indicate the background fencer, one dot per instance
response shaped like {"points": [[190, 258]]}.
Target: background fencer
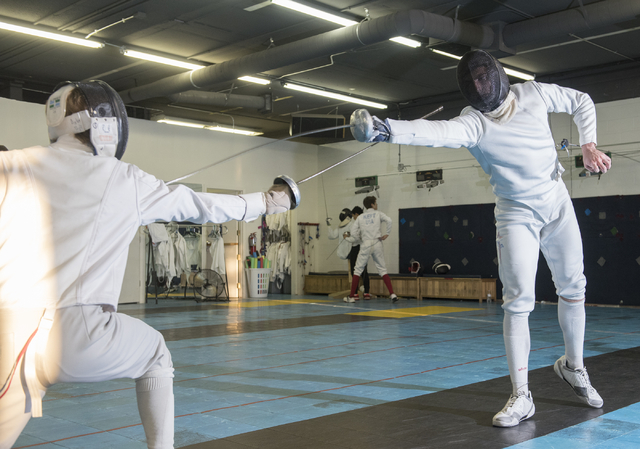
{"points": [[348, 250], [344, 246], [68, 212], [353, 258], [368, 229], [506, 129]]}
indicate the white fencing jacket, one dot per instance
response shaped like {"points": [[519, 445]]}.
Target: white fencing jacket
{"points": [[344, 245], [67, 218], [520, 155], [368, 227]]}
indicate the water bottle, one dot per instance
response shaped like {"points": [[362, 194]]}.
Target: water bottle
{"points": [[488, 297]]}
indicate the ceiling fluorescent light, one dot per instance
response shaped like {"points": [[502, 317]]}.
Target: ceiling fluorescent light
{"points": [[253, 79], [408, 42], [324, 93], [181, 123], [444, 53], [521, 75], [244, 132], [161, 60], [314, 12], [52, 36], [510, 72], [336, 19]]}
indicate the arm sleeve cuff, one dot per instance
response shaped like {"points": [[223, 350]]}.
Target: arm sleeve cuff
{"points": [[256, 205]]}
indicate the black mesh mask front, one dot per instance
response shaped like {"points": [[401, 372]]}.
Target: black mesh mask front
{"points": [[482, 80]]}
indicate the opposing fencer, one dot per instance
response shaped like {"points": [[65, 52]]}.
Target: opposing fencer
{"points": [[506, 129], [68, 212]]}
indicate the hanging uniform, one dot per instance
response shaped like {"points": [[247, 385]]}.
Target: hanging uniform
{"points": [[180, 252]]}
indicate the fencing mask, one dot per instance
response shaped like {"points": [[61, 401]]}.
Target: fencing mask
{"points": [[441, 268], [482, 80], [105, 117], [345, 217]]}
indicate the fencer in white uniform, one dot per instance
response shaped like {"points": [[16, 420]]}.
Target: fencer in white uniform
{"points": [[349, 249], [344, 245], [506, 129], [368, 229], [68, 212]]}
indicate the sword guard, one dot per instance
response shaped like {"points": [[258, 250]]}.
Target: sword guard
{"points": [[361, 125], [293, 187]]}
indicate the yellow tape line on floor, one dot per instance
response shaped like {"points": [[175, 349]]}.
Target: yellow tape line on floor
{"points": [[413, 311], [274, 302]]}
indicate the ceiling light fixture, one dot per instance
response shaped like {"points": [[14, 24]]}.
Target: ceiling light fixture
{"points": [[244, 132], [161, 60], [324, 93], [181, 123], [315, 12], [444, 53], [52, 36], [405, 41], [336, 19], [253, 79], [508, 71]]}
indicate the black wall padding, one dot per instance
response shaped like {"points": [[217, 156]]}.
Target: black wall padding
{"points": [[610, 228]]}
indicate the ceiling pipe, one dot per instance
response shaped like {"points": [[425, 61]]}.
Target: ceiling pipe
{"points": [[366, 33], [402, 23], [220, 99]]}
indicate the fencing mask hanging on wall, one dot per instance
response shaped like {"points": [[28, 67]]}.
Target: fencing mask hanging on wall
{"points": [[105, 117], [482, 80]]}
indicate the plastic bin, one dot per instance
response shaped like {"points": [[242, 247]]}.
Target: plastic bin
{"points": [[258, 280]]}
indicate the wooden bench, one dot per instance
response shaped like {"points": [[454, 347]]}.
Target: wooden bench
{"points": [[408, 286], [456, 287], [326, 283]]}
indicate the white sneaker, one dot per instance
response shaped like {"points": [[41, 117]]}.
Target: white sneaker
{"points": [[393, 297], [518, 409], [579, 381], [351, 298]]}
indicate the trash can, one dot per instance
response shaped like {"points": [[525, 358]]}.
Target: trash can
{"points": [[258, 280]]}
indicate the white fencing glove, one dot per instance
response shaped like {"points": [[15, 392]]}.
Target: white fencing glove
{"points": [[369, 128], [278, 199]]}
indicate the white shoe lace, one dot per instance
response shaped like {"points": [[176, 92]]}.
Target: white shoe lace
{"points": [[584, 377], [511, 402]]}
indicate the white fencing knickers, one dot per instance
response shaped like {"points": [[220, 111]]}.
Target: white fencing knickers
{"points": [[522, 233], [87, 344], [375, 249]]}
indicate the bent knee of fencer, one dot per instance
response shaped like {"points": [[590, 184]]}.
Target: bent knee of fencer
{"points": [[573, 291], [518, 305], [571, 302], [162, 365]]}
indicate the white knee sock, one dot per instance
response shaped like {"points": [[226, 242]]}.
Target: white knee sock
{"points": [[517, 344], [572, 319], [155, 403]]}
